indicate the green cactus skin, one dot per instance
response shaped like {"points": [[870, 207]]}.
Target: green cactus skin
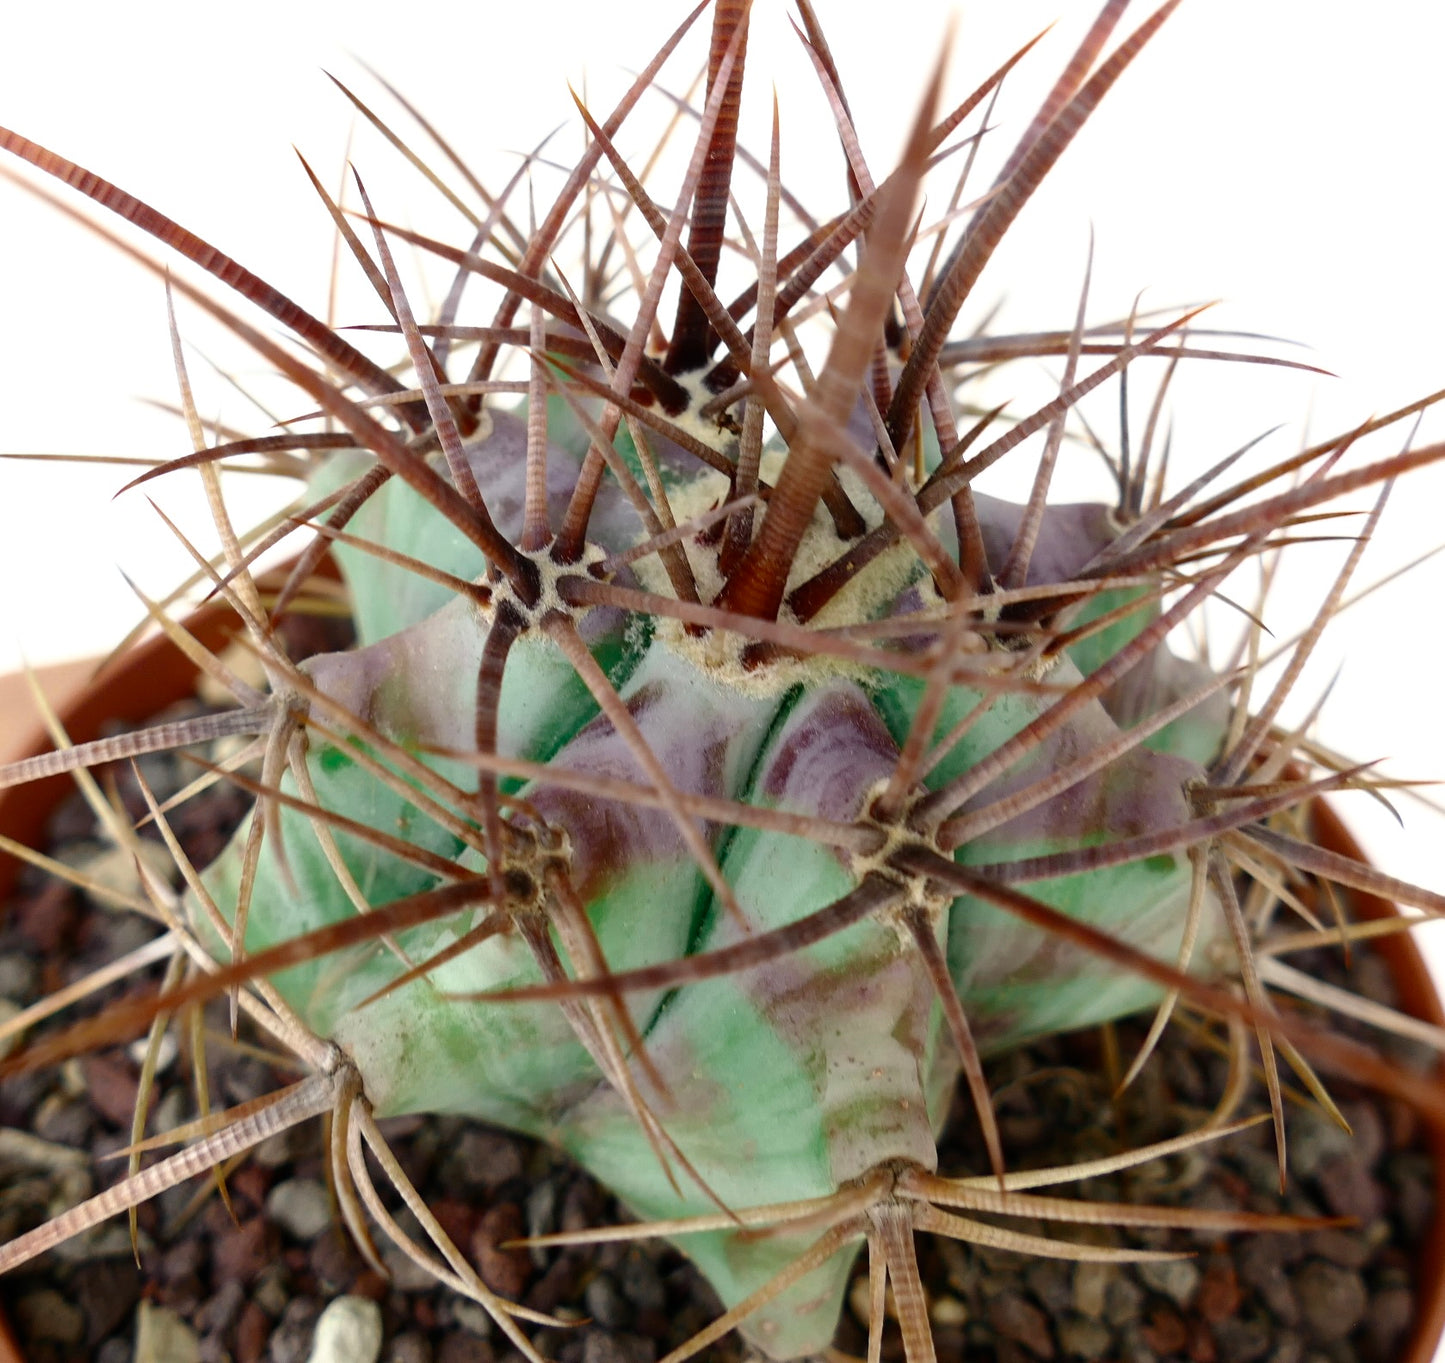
{"points": [[785, 1081]]}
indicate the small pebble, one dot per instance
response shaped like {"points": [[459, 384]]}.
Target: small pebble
{"points": [[557, 1286], [113, 869], [166, 1051], [464, 1348], [183, 1259], [1048, 1280], [1166, 1332], [275, 1152], [1218, 1290], [484, 1160], [409, 1348], [1369, 1137], [161, 1336], [640, 1282], [406, 1274], [9, 1009], [1332, 1300], [583, 1206], [1388, 1318], [1175, 1278], [606, 1304], [253, 1329], [245, 1080], [173, 1108], [1314, 1139], [292, 1338], [300, 1206], [46, 918], [542, 1202], [272, 1290], [1350, 1189], [46, 1316], [19, 977], [1262, 1261], [218, 1315], [1134, 1348], [1018, 1319], [65, 1122], [1347, 1249], [1411, 1174], [1091, 1282], [505, 1271], [602, 1346], [1244, 1339], [243, 1251], [19, 1150], [1081, 1337], [106, 1290], [860, 1301], [948, 1313], [472, 1316], [348, 1331], [114, 1351], [1122, 1301], [1199, 1344], [334, 1261]]}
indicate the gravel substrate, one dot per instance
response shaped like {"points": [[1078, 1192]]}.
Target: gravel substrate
{"points": [[212, 1288]]}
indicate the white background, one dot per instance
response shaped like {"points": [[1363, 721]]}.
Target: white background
{"points": [[1262, 152]]}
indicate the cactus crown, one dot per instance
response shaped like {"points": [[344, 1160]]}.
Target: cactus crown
{"points": [[719, 774]]}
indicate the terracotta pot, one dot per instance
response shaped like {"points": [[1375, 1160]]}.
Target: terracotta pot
{"points": [[147, 679], [1419, 997], [157, 674]]}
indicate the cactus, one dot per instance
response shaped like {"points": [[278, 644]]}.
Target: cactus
{"points": [[720, 775]]}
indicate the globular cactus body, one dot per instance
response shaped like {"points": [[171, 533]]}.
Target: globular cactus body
{"points": [[788, 1080]]}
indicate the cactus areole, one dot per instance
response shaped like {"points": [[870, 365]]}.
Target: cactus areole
{"points": [[719, 776]]}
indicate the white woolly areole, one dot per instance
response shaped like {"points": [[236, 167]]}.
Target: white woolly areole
{"points": [[549, 599], [866, 597]]}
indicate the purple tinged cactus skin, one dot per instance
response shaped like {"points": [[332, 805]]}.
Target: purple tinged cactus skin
{"points": [[806, 1074], [819, 1067], [708, 807]]}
